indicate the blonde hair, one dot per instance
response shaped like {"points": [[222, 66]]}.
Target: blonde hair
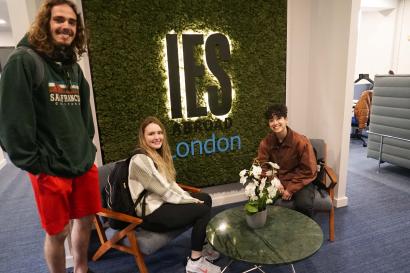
{"points": [[161, 157]]}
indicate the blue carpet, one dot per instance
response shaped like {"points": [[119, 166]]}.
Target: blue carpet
{"points": [[21, 235], [372, 233]]}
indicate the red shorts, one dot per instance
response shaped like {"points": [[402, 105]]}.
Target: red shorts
{"points": [[60, 199]]}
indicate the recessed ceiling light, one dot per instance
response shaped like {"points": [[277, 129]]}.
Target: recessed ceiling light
{"points": [[3, 22]]}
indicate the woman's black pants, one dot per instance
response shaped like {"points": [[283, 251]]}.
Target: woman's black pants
{"points": [[175, 216]]}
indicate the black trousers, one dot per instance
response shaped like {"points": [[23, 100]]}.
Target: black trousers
{"points": [[304, 199], [175, 216], [301, 201]]}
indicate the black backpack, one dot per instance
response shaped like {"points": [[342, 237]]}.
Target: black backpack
{"points": [[117, 196], [320, 174], [38, 77]]}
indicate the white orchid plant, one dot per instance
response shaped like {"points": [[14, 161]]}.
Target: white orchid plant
{"points": [[261, 185]]}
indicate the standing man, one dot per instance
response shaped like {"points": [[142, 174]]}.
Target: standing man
{"points": [[47, 129], [295, 156]]}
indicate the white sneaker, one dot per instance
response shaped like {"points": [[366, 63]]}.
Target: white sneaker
{"points": [[201, 266], [209, 253]]}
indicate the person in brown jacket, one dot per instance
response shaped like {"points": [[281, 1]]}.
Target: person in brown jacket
{"points": [[362, 109], [295, 156]]}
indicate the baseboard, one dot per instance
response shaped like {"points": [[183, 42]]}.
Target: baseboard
{"points": [[237, 195], [69, 261], [227, 197], [341, 202]]}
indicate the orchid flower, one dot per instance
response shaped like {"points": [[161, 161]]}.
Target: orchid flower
{"points": [[276, 182], [274, 165], [272, 190], [257, 171], [250, 190], [243, 173], [243, 180], [262, 184], [260, 191]]}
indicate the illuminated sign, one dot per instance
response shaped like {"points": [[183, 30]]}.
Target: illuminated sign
{"points": [[185, 67], [182, 75]]}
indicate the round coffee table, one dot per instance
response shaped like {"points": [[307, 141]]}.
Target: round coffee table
{"points": [[287, 237]]}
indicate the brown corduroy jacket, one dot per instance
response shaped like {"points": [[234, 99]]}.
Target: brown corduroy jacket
{"points": [[295, 157]]}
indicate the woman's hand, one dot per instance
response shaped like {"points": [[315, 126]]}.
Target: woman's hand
{"points": [[196, 201]]}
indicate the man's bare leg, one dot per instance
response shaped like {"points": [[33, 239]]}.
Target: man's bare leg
{"points": [[54, 251], [80, 238]]}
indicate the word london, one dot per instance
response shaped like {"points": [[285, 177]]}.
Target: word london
{"points": [[209, 146]]}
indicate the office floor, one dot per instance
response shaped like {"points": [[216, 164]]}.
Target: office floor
{"points": [[372, 233]]}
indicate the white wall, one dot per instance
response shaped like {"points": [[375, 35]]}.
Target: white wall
{"points": [[6, 39], [297, 63], [401, 57], [375, 42], [321, 54], [384, 37], [19, 18]]}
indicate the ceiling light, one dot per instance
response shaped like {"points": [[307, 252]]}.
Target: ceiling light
{"points": [[3, 22]]}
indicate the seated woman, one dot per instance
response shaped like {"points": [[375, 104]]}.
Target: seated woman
{"points": [[295, 156], [167, 206]]}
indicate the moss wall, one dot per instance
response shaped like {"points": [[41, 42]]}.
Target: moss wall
{"points": [[130, 79]]}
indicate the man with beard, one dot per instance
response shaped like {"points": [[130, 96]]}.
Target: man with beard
{"points": [[47, 129]]}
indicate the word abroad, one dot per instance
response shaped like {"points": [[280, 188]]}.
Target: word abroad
{"points": [[209, 146], [189, 127], [216, 51]]}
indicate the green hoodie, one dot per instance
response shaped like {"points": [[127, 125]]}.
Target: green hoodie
{"points": [[48, 129]]}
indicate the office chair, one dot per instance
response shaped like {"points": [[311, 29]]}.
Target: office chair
{"points": [[356, 134]]}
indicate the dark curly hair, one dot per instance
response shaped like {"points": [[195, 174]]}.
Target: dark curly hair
{"points": [[39, 34], [278, 110]]}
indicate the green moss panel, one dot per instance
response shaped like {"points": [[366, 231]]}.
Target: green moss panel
{"points": [[130, 79]]}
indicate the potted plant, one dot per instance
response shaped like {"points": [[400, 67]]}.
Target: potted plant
{"points": [[261, 188]]}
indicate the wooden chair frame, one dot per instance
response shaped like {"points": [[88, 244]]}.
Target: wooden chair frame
{"points": [[330, 190], [330, 184], [128, 232]]}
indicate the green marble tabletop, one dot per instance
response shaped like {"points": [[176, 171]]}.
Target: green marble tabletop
{"points": [[287, 237]]}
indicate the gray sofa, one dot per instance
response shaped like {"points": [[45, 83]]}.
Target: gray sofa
{"points": [[389, 130]]}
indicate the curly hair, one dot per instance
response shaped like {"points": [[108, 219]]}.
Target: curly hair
{"points": [[39, 34], [279, 110], [161, 157]]}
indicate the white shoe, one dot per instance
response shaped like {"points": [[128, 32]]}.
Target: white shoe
{"points": [[209, 253], [201, 266]]}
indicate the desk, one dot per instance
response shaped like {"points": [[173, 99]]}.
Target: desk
{"points": [[287, 237]]}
